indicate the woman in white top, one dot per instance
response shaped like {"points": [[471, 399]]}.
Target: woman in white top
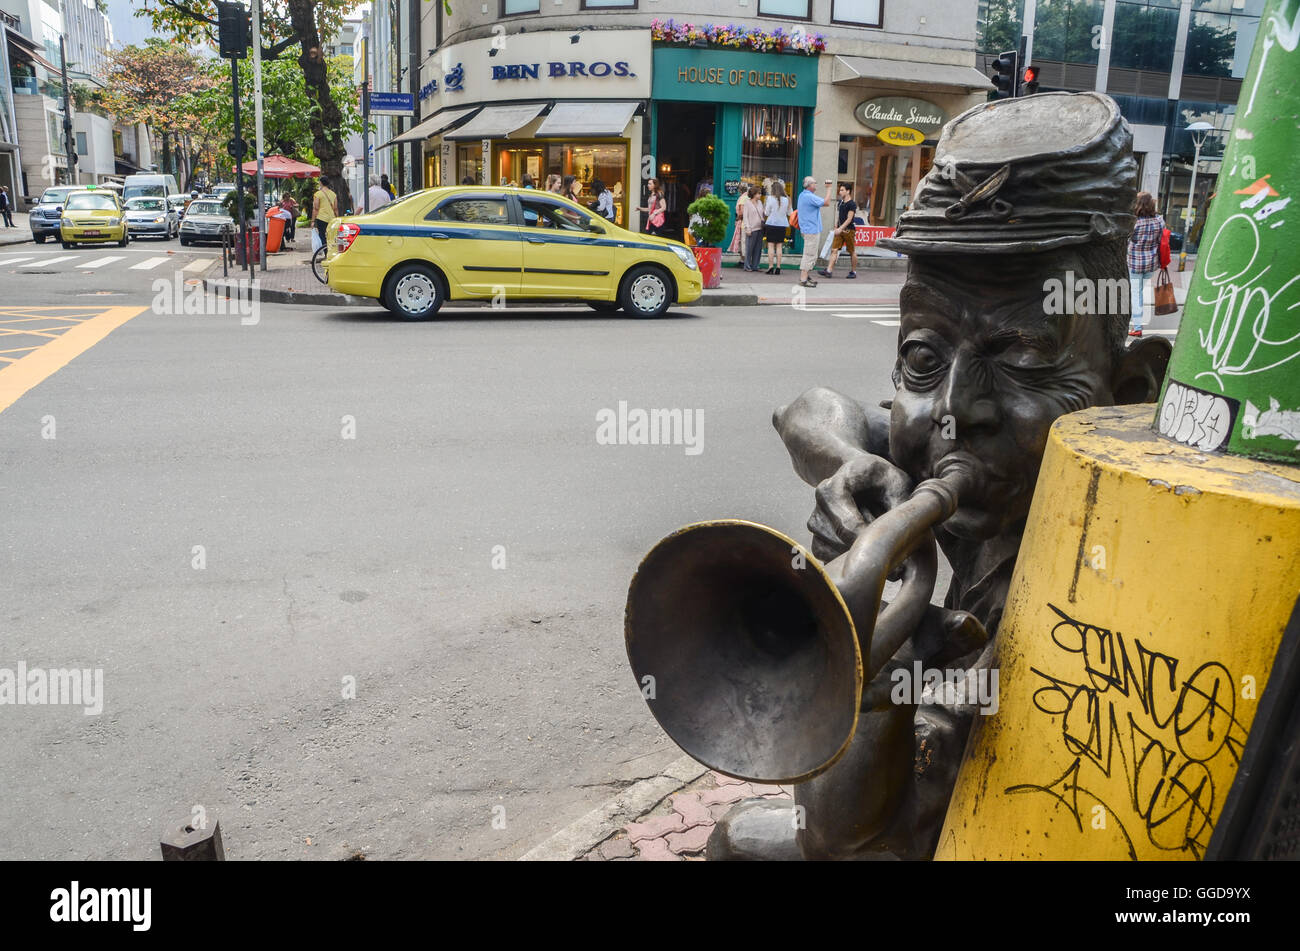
{"points": [[776, 211]]}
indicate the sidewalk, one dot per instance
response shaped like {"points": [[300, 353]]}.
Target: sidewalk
{"points": [[289, 280], [20, 233]]}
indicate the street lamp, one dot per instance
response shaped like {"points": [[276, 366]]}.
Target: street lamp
{"points": [[1200, 131]]}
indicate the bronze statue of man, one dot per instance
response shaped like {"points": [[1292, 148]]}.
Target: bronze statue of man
{"points": [[1014, 312]]}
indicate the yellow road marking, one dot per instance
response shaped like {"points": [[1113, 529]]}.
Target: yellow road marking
{"points": [[24, 373]]}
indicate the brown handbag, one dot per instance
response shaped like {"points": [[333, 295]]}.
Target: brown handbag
{"points": [[1165, 301]]}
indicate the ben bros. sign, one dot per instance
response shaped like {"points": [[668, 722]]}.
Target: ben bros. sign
{"points": [[900, 120]]}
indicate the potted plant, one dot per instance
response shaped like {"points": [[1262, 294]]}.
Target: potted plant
{"points": [[708, 223]]}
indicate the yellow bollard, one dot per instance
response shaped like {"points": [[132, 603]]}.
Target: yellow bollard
{"points": [[1150, 596]]}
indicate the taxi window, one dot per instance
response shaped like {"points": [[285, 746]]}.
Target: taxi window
{"points": [[545, 214], [479, 211]]}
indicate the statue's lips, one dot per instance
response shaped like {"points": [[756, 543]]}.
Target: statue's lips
{"points": [[977, 482]]}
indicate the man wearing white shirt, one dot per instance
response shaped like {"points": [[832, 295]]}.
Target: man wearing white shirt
{"points": [[378, 197]]}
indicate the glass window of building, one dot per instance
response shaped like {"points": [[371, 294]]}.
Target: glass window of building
{"points": [[999, 25], [772, 137], [1068, 31], [1220, 37], [1145, 34], [469, 163], [794, 9], [857, 12], [511, 7]]}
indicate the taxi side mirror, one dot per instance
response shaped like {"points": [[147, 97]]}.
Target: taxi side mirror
{"points": [[595, 228]]}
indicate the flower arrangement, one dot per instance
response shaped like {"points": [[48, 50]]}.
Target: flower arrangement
{"points": [[738, 37]]}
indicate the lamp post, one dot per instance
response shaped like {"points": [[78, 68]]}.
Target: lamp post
{"points": [[1199, 132]]}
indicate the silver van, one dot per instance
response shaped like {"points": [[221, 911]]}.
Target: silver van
{"points": [[148, 185]]}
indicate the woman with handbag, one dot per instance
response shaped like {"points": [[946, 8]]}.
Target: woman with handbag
{"points": [[776, 210], [1143, 256], [654, 209]]}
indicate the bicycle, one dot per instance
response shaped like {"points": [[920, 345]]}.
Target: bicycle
{"points": [[318, 258]]}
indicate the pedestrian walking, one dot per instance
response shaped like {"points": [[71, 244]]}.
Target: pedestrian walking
{"points": [[654, 208], [290, 206], [379, 197], [753, 227], [604, 200], [324, 207], [776, 212], [6, 207], [386, 186], [554, 183], [810, 227], [526, 181], [1143, 257], [846, 212]]}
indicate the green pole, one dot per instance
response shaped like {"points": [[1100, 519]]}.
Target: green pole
{"points": [[1234, 377]]}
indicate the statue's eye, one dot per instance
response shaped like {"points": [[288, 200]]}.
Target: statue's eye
{"points": [[921, 359]]}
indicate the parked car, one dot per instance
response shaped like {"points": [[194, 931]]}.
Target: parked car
{"points": [[45, 215], [93, 216], [478, 242], [204, 221], [151, 216]]}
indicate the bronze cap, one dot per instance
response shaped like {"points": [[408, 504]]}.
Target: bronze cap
{"points": [[1027, 174]]}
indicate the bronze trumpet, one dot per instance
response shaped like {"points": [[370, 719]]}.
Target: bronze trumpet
{"points": [[750, 652]]}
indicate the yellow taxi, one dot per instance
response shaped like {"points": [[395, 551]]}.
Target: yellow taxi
{"points": [[515, 244], [94, 215]]}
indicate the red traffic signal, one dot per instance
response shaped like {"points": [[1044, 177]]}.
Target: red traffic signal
{"points": [[1029, 83]]}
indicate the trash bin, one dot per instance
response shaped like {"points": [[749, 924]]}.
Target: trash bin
{"points": [[254, 243], [274, 234]]}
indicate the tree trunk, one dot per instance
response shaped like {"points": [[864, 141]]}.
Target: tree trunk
{"points": [[167, 153], [326, 122]]}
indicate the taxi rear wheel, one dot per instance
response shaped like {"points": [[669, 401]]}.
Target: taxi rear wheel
{"points": [[413, 292], [647, 292]]}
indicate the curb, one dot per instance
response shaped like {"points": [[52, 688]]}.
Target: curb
{"points": [[578, 838]]}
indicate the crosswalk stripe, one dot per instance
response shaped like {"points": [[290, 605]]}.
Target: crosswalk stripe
{"points": [[875, 315], [18, 260], [200, 264], [887, 323], [101, 262], [149, 264], [59, 260]]}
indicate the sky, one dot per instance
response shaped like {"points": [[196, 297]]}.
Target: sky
{"points": [[127, 28]]}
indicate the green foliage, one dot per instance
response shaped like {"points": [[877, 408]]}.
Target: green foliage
{"points": [[713, 215], [1000, 30], [250, 205]]}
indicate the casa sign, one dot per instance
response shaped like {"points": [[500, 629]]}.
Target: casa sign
{"points": [[901, 120]]}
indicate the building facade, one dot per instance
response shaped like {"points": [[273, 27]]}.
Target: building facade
{"points": [[756, 90], [1168, 63], [36, 156]]}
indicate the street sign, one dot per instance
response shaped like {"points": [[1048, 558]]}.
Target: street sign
{"points": [[392, 104]]}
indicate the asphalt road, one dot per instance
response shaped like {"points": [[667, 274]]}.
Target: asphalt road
{"points": [[326, 558]]}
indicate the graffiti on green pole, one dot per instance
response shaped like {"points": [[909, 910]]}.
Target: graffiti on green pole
{"points": [[1234, 377]]}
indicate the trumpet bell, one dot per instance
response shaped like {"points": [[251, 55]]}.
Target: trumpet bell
{"points": [[745, 651]]}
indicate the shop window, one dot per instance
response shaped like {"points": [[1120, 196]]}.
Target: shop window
{"points": [[479, 211], [887, 178], [772, 137], [511, 8], [1144, 35], [469, 163], [857, 12], [791, 9]]}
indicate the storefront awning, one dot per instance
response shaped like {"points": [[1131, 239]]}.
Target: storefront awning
{"points": [[587, 119], [496, 122], [862, 70], [431, 126]]}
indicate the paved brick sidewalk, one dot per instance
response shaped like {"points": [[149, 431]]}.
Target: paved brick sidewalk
{"points": [[677, 829]]}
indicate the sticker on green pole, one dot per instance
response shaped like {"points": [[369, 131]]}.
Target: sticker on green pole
{"points": [[1234, 377]]}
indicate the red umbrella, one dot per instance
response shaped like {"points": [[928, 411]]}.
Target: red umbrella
{"points": [[278, 166]]}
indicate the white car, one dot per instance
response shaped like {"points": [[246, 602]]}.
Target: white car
{"points": [[151, 216], [205, 220]]}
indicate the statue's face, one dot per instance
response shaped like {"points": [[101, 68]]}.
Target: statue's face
{"points": [[983, 372]]}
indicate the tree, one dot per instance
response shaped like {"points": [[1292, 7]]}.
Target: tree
{"points": [[152, 84], [285, 24], [286, 106], [1000, 30]]}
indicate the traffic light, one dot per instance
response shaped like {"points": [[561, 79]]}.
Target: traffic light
{"points": [[237, 149], [1030, 84], [1005, 75], [234, 29]]}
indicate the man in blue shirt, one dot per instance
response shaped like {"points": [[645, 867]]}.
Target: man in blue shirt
{"points": [[810, 226]]}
